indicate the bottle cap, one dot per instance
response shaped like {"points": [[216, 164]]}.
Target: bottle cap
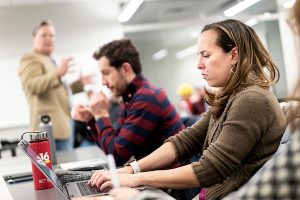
{"points": [[37, 135], [45, 119]]}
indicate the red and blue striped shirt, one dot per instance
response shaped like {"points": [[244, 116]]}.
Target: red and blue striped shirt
{"points": [[146, 119]]}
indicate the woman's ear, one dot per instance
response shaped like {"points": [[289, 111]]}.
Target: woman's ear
{"points": [[234, 55]]}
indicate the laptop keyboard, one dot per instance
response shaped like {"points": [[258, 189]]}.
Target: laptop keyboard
{"points": [[85, 189]]}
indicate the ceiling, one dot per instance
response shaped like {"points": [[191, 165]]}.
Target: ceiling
{"points": [[158, 11], [168, 23], [166, 11], [35, 2], [175, 24]]}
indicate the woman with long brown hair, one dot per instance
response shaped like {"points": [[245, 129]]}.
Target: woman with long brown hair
{"points": [[239, 133], [280, 179]]}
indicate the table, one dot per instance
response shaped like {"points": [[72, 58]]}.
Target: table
{"points": [[26, 191], [22, 164]]}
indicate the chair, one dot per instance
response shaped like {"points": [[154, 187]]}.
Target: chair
{"points": [[9, 146], [189, 121]]}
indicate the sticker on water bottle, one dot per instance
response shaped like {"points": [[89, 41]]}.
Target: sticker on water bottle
{"points": [[43, 158], [42, 181]]}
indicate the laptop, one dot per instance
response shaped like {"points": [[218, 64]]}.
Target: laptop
{"points": [[69, 190], [84, 165]]}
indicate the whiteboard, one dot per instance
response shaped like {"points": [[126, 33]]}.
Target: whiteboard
{"points": [[13, 104]]}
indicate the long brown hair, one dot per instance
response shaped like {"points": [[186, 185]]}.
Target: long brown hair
{"points": [[254, 65]]}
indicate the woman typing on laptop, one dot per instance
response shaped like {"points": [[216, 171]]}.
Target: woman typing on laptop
{"points": [[239, 133]]}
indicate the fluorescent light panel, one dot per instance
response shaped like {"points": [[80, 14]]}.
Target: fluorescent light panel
{"points": [[239, 7], [160, 54], [186, 52], [251, 22], [195, 34], [129, 10]]}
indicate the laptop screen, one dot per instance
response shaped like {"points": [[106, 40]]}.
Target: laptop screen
{"points": [[26, 148]]}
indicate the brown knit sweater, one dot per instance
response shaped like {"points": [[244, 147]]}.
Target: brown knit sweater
{"points": [[235, 145]]}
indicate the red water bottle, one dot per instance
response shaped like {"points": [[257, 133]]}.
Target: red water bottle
{"points": [[40, 144]]}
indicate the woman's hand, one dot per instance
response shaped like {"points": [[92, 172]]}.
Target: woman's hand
{"points": [[102, 180]]}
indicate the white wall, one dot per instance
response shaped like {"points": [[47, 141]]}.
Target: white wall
{"points": [[170, 73], [80, 27]]}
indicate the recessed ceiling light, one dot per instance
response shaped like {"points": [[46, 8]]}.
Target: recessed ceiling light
{"points": [[251, 22], [160, 54], [195, 34], [267, 14], [186, 52]]}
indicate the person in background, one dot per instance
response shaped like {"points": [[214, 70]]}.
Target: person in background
{"points": [[43, 87], [146, 118], [239, 133], [191, 104], [185, 91], [197, 100], [280, 179]]}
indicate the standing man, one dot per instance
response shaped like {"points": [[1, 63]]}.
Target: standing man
{"points": [[42, 85], [146, 117]]}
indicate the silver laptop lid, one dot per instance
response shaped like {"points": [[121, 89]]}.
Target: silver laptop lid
{"points": [[39, 163]]}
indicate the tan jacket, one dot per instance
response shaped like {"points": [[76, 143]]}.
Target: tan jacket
{"points": [[237, 144], [45, 93]]}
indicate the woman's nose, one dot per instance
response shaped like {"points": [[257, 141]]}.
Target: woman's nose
{"points": [[200, 65]]}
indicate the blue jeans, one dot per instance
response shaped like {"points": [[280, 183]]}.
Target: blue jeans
{"points": [[86, 143], [67, 144]]}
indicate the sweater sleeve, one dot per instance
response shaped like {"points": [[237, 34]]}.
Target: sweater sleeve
{"points": [[128, 138], [190, 141], [247, 120]]}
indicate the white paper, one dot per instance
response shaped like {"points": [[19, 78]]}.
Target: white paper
{"points": [[4, 192]]}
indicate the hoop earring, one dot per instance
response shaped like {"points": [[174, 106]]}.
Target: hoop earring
{"points": [[233, 69]]}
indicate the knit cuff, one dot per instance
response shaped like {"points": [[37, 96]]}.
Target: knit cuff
{"points": [[103, 122], [205, 175]]}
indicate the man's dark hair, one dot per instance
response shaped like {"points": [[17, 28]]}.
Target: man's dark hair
{"points": [[118, 52], [41, 24]]}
